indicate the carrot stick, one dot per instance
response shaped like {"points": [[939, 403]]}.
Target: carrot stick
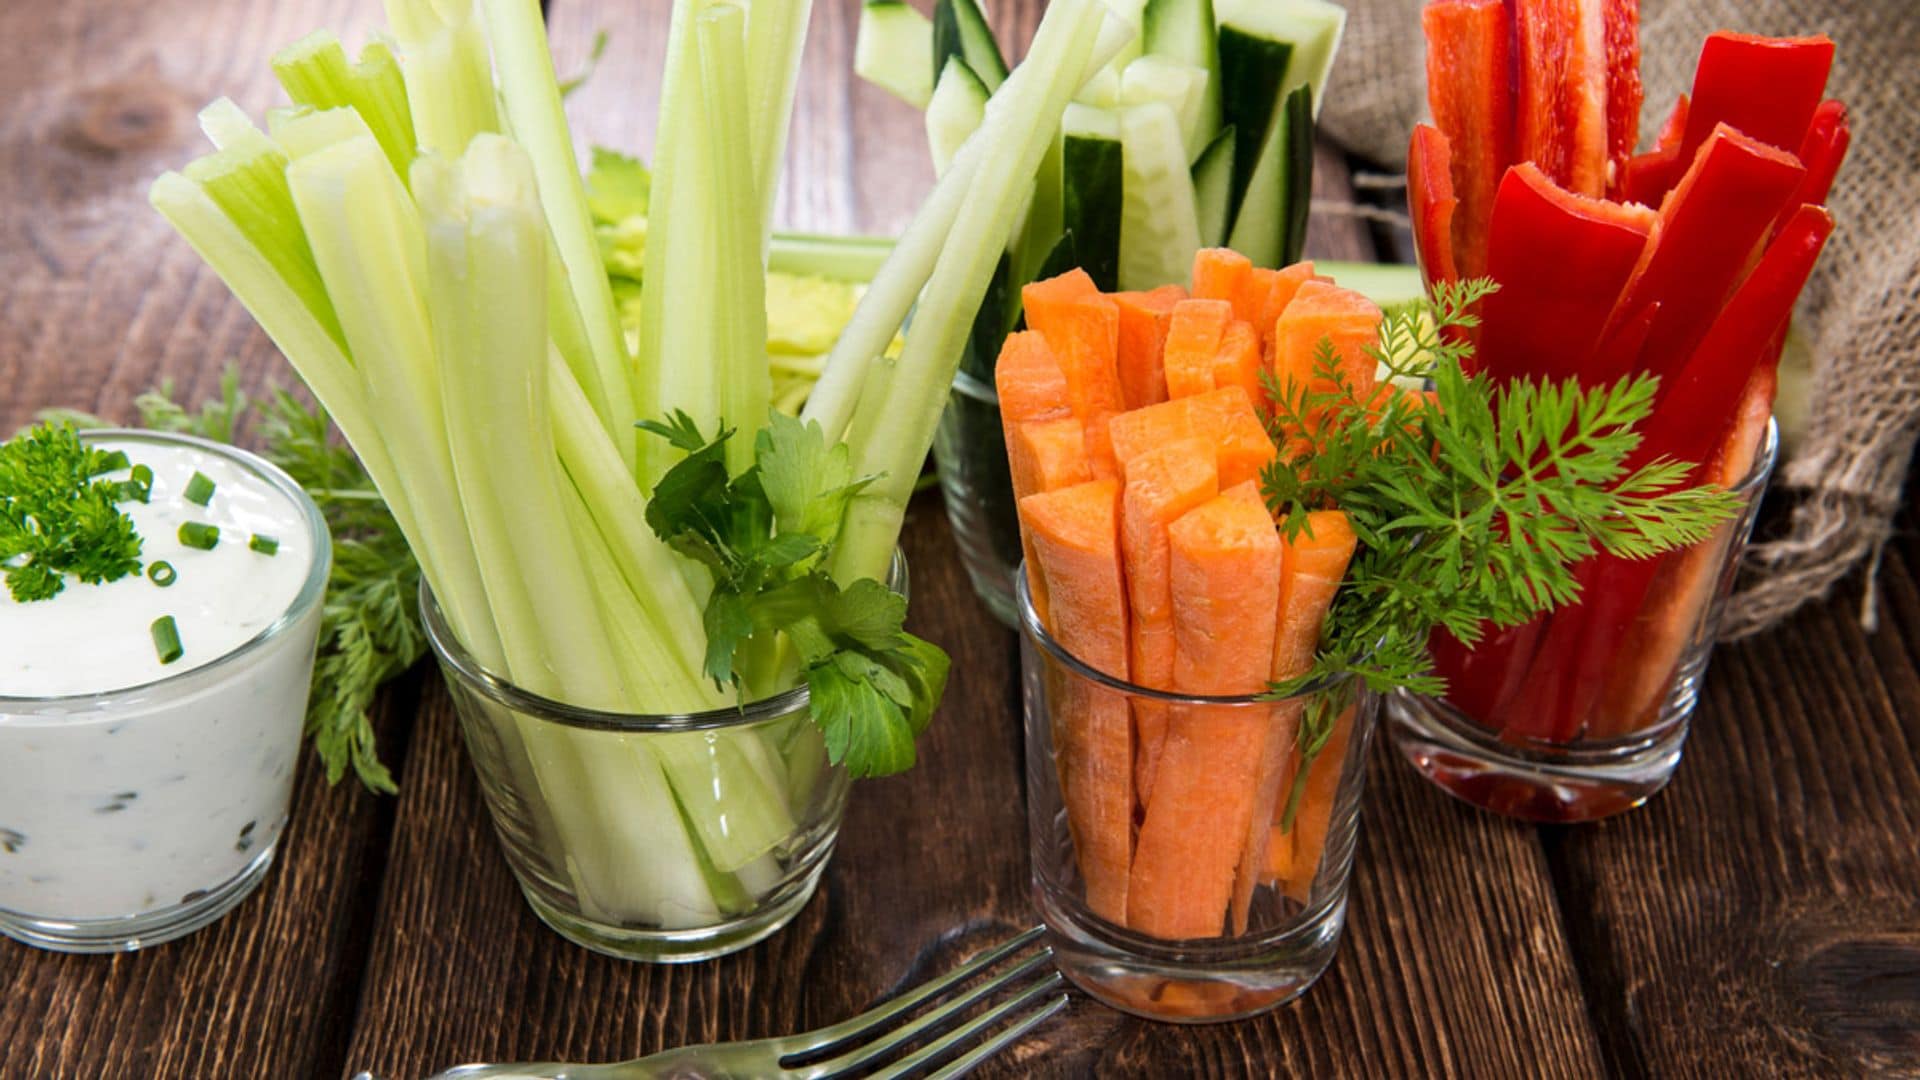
{"points": [[1193, 339], [1162, 486], [1239, 360], [1076, 542], [1144, 317], [1031, 389], [1220, 274], [1225, 570], [1285, 283], [1321, 312], [1224, 417], [1315, 815], [1312, 566], [1083, 328]]}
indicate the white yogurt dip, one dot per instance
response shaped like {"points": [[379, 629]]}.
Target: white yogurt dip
{"points": [[140, 800]]}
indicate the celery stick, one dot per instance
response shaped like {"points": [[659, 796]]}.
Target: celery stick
{"points": [[1022, 119], [315, 73], [734, 800], [842, 258], [740, 338], [776, 37], [368, 245], [532, 98], [449, 80]]}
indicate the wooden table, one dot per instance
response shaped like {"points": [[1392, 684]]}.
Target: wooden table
{"points": [[1760, 917]]}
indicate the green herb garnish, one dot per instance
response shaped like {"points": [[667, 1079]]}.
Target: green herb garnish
{"points": [[199, 534], [1470, 513], [199, 489], [265, 545], [58, 518], [166, 639], [162, 573], [765, 535]]}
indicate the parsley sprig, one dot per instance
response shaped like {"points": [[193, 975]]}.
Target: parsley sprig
{"points": [[1471, 509], [765, 535], [58, 518]]}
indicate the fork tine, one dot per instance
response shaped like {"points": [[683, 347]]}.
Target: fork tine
{"points": [[867, 1021], [887, 1042], [938, 1049]]}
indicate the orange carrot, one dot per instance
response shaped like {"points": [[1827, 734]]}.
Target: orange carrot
{"points": [[1220, 274], [1312, 566], [1225, 572], [1239, 361], [1083, 329], [1325, 313], [1193, 339], [1315, 816], [1047, 455], [1252, 297], [1076, 544], [1224, 417], [1144, 317], [1285, 283], [1162, 485], [1028, 380]]}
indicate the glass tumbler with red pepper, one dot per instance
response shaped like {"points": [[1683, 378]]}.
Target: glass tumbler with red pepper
{"points": [[1683, 262]]}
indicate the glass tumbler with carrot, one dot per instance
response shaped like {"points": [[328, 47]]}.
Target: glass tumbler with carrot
{"points": [[1221, 517], [1682, 263]]}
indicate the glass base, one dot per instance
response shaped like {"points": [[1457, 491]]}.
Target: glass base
{"points": [[129, 932], [1552, 785], [682, 946], [1194, 982]]}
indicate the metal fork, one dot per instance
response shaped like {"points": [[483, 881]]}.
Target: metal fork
{"points": [[852, 1046]]}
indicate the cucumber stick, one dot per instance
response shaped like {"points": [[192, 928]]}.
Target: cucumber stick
{"points": [[894, 50], [1176, 83], [1213, 188], [1185, 30], [1271, 226], [1159, 226], [1092, 171], [960, 29], [959, 104], [1310, 28]]}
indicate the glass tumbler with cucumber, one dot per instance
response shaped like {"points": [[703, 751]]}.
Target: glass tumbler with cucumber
{"points": [[1199, 134]]}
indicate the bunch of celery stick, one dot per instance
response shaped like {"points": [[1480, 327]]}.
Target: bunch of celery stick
{"points": [[413, 233]]}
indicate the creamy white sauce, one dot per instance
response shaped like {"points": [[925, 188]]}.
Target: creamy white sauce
{"points": [[159, 794]]}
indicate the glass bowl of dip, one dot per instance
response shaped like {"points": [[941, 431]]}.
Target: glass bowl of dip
{"points": [[140, 801]]}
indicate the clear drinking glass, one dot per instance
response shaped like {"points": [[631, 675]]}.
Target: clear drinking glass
{"points": [[665, 838], [970, 455], [1240, 934], [1583, 714], [138, 815]]}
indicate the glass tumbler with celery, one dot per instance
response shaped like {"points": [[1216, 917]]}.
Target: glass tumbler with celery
{"points": [[1197, 134], [663, 605]]}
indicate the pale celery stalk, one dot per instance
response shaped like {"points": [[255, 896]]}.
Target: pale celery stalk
{"points": [[368, 245], [738, 806], [1022, 118], [531, 95], [740, 338], [315, 73], [449, 80], [776, 38], [843, 258]]}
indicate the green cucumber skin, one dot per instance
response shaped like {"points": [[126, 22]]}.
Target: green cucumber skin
{"points": [[1090, 205], [1298, 203], [1213, 187], [1252, 70], [1187, 30], [960, 29]]}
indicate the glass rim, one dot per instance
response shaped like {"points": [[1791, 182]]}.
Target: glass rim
{"points": [[1763, 462], [312, 590], [1037, 631], [455, 658]]}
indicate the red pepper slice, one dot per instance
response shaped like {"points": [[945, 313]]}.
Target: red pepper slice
{"points": [[1561, 262], [1651, 175], [1469, 88], [1765, 88], [1430, 191], [1624, 91], [1711, 225], [1560, 121], [1822, 151]]}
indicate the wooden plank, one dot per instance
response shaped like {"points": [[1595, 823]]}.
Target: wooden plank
{"points": [[1762, 915], [101, 301]]}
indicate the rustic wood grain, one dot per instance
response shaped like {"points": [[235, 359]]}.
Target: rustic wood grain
{"points": [[1762, 915]]}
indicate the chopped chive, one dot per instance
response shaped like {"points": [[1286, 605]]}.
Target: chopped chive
{"points": [[197, 534], [199, 489], [162, 573], [265, 545], [166, 639], [112, 462], [142, 476]]}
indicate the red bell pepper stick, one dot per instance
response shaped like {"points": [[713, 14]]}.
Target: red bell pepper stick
{"points": [[1431, 198], [1821, 152], [1561, 262], [1710, 227], [1469, 88], [1624, 91], [1560, 120], [1765, 88], [1651, 175]]}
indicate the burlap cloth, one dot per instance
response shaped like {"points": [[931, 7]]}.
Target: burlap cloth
{"points": [[1860, 315]]}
